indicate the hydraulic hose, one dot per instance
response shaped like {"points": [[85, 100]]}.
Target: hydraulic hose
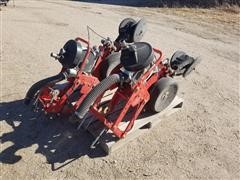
{"points": [[38, 85], [95, 93]]}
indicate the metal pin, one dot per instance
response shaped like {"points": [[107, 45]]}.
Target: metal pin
{"points": [[97, 138], [83, 120], [89, 122]]}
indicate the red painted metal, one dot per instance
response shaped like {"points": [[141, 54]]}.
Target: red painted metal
{"points": [[134, 97], [82, 83]]}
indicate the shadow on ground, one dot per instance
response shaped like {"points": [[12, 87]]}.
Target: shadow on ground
{"points": [[57, 139]]}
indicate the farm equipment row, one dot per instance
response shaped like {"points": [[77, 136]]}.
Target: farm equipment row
{"points": [[137, 74]]}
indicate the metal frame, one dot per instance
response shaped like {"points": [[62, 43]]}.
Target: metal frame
{"points": [[135, 97], [83, 81]]}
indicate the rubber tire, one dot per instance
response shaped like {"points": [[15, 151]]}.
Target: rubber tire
{"points": [[157, 103], [109, 64], [95, 93], [126, 21], [126, 35]]}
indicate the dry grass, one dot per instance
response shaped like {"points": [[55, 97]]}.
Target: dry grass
{"points": [[231, 9], [222, 18], [214, 15]]}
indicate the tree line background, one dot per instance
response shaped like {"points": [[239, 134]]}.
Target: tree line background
{"points": [[189, 3], [170, 3]]}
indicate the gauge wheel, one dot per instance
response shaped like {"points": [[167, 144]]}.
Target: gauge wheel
{"points": [[162, 94], [125, 23]]}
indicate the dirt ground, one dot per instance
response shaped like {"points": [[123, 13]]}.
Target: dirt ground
{"points": [[199, 141]]}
